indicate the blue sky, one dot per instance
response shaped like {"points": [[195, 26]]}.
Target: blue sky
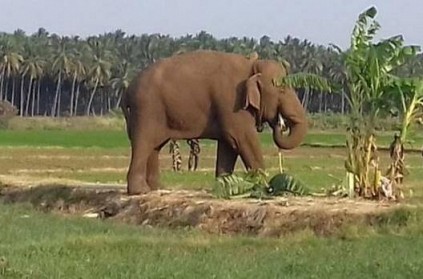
{"points": [[320, 21]]}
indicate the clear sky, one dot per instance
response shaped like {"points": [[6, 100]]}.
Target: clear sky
{"points": [[320, 21]]}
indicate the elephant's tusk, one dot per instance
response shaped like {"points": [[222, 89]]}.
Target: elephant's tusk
{"points": [[281, 123]]}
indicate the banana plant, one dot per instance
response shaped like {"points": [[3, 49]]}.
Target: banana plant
{"points": [[408, 95], [370, 68]]}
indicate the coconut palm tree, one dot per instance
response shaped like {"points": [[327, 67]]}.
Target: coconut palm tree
{"points": [[100, 69], [61, 67], [33, 68], [10, 63], [78, 73], [121, 81]]}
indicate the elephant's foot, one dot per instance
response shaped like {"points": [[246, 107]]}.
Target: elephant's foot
{"points": [[137, 187], [155, 185], [132, 191]]}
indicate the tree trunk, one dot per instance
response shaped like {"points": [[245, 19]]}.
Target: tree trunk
{"points": [[77, 98], [5, 89], [13, 91], [29, 95], [109, 103], [310, 96], [325, 102], [101, 102], [59, 102], [59, 79], [72, 94], [1, 86], [91, 98], [343, 102], [305, 96], [21, 107], [34, 87], [119, 98], [38, 96]]}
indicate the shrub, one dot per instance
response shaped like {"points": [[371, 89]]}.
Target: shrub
{"points": [[7, 111]]}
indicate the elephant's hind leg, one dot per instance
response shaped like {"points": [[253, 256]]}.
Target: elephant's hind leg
{"points": [[143, 144], [153, 170], [137, 173]]}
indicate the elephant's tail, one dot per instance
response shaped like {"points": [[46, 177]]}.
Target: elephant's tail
{"points": [[126, 111]]}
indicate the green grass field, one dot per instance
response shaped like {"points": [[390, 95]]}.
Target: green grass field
{"points": [[37, 245], [103, 156], [118, 138]]}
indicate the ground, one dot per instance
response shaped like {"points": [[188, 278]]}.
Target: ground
{"points": [[183, 227]]}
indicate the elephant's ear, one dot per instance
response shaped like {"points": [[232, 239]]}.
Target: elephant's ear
{"points": [[252, 92]]}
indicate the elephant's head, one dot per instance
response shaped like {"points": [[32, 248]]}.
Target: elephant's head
{"points": [[270, 102]]}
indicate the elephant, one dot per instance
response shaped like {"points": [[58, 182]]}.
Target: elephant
{"points": [[208, 94]]}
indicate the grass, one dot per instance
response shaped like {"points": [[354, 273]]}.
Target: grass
{"points": [[36, 245], [102, 136], [118, 139], [63, 138], [317, 167]]}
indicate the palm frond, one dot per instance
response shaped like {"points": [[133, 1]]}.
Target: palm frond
{"points": [[304, 80], [230, 185], [284, 183]]}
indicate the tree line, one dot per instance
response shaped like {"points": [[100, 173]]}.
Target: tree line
{"points": [[51, 75]]}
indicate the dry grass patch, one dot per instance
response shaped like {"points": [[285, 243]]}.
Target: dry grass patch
{"points": [[73, 123], [198, 209]]}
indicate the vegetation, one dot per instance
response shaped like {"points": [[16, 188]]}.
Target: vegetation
{"points": [[48, 74], [7, 111], [36, 245], [58, 136], [379, 90], [371, 81], [103, 155]]}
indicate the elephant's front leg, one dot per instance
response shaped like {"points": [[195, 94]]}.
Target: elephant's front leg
{"points": [[226, 158], [249, 148]]}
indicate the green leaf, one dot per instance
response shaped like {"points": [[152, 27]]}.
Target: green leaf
{"points": [[370, 12], [303, 80]]}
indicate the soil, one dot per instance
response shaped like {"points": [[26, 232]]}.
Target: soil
{"points": [[199, 209]]}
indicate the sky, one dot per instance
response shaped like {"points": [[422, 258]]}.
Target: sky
{"points": [[319, 21]]}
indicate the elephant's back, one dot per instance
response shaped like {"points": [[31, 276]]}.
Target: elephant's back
{"points": [[199, 65], [191, 77]]}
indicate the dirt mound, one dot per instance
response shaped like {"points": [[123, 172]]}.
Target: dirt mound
{"points": [[199, 209]]}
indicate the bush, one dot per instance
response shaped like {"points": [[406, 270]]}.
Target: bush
{"points": [[7, 111]]}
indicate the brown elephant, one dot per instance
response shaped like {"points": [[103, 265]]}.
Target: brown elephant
{"points": [[207, 95]]}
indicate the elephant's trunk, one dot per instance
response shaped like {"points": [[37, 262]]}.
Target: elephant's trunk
{"points": [[295, 137], [297, 130]]}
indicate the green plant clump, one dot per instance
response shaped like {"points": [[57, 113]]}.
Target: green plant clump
{"points": [[255, 185]]}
